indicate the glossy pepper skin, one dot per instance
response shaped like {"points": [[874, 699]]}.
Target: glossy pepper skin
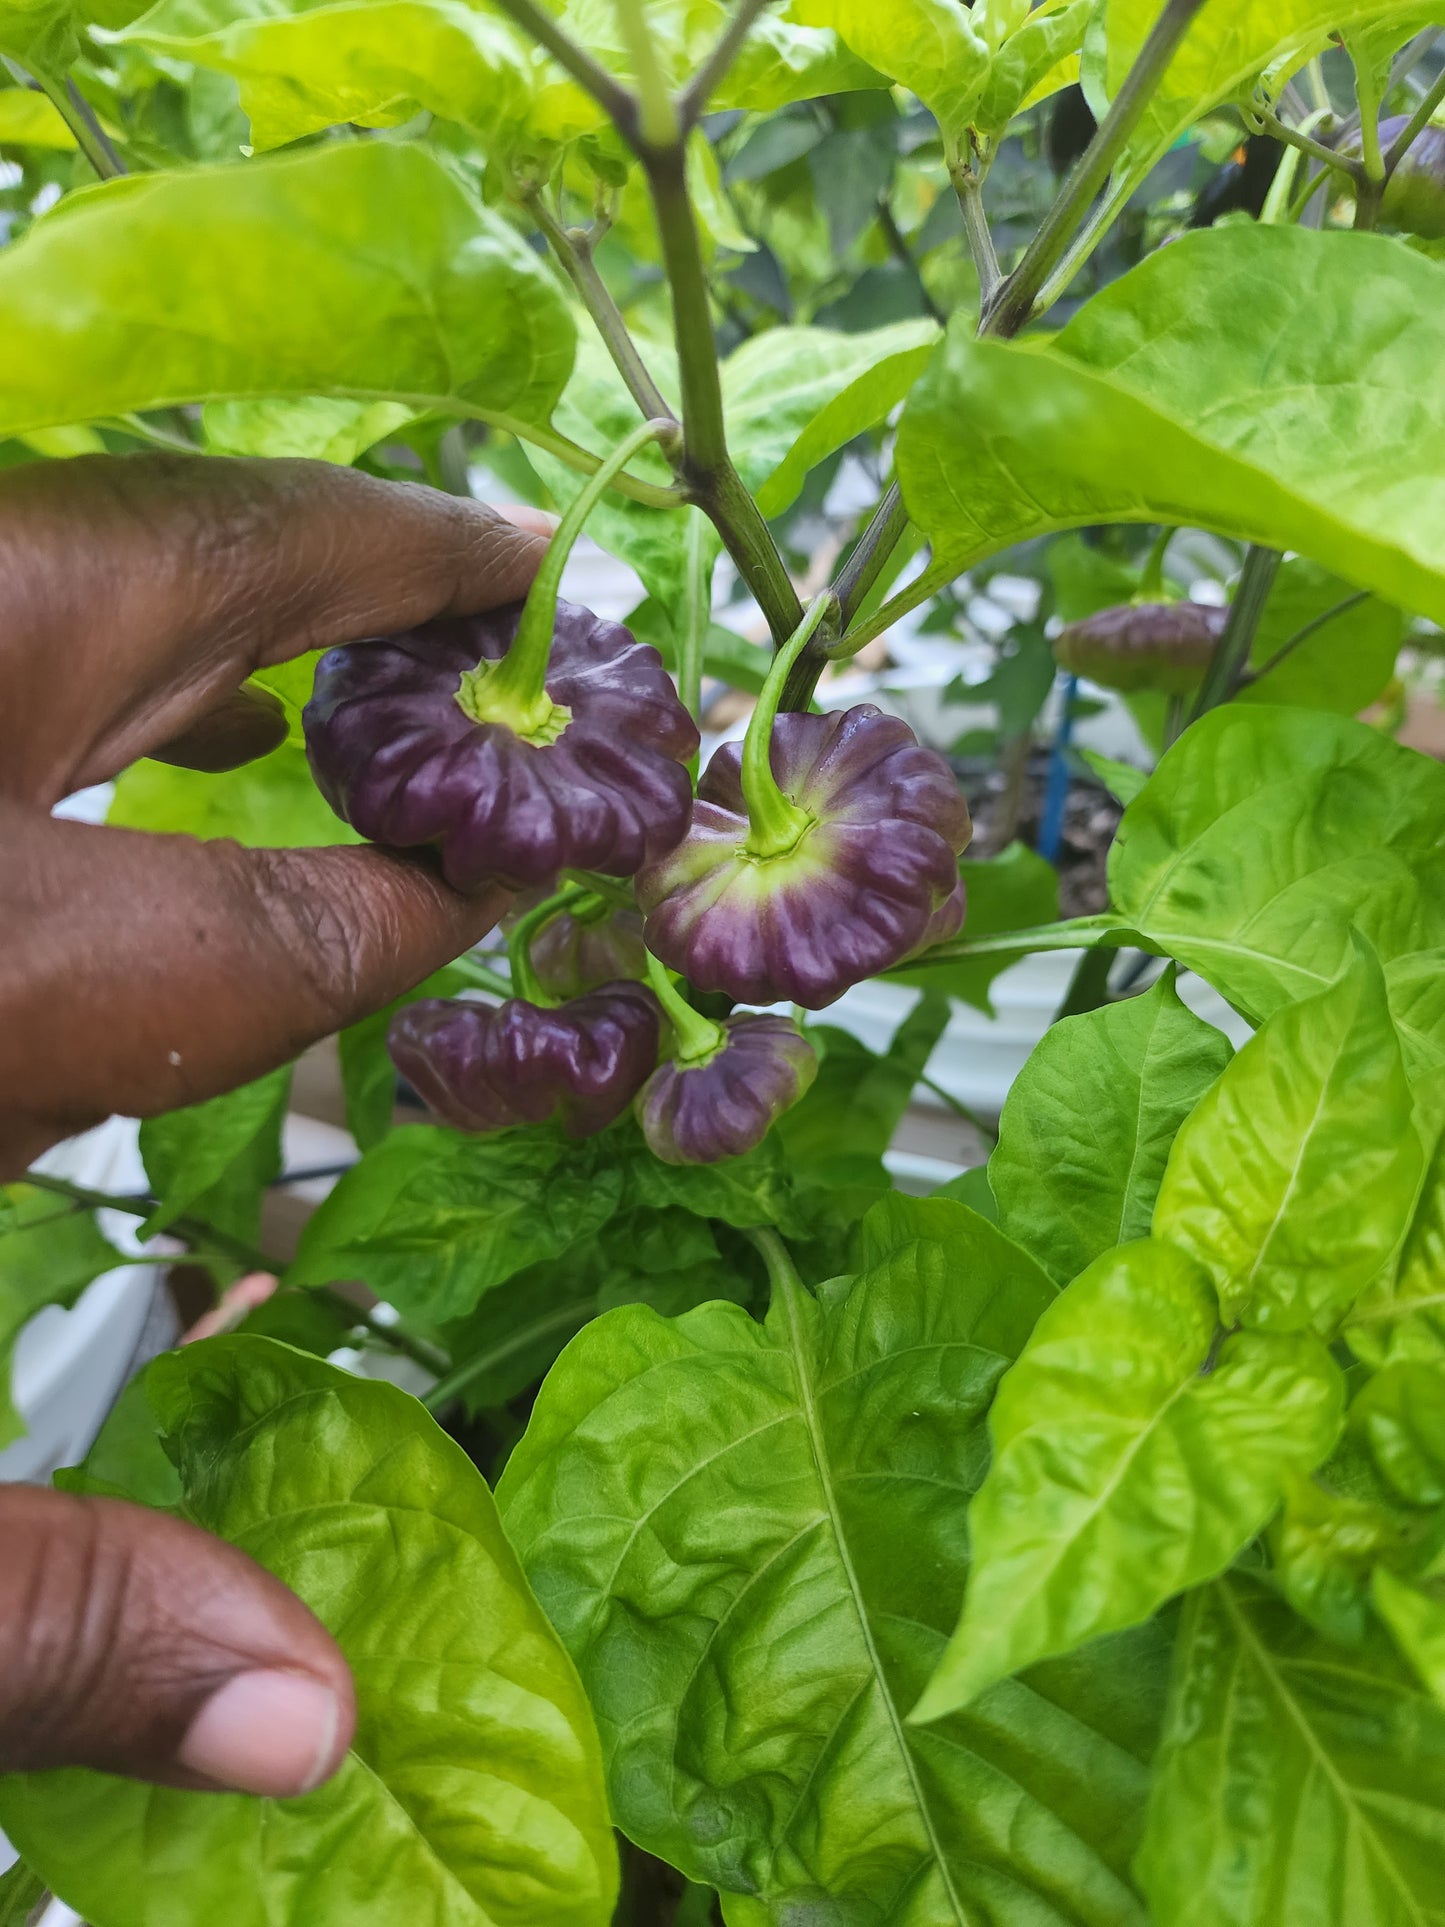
{"points": [[398, 758], [725, 1104], [872, 877], [1165, 646], [486, 1067], [575, 954]]}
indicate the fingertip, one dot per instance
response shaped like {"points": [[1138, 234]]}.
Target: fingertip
{"points": [[533, 520], [271, 1732]]}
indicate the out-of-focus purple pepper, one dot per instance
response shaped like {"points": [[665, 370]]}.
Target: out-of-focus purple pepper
{"points": [[1415, 196], [399, 757], [576, 953], [718, 1106], [486, 1067], [1166, 646], [871, 875]]}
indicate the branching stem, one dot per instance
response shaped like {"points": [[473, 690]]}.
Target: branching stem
{"points": [[1230, 661], [593, 79], [692, 104]]}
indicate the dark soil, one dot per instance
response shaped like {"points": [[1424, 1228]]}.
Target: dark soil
{"points": [[1091, 816]]}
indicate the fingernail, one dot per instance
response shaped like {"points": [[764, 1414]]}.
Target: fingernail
{"points": [[534, 521], [267, 1732]]}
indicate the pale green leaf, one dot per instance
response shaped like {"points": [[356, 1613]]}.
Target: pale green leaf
{"points": [[1343, 664], [1295, 1178], [29, 119], [1122, 780], [1323, 1549], [315, 427], [1201, 389], [374, 62], [1299, 1784], [50, 1250], [1415, 1616], [1401, 1416], [40, 31], [1267, 835], [1123, 1472], [472, 1793], [213, 1161], [931, 47], [357, 269], [269, 804], [431, 1220], [1021, 69], [1088, 1123], [747, 1536]]}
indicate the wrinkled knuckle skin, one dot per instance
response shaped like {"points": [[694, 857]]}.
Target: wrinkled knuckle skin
{"points": [[322, 943]]}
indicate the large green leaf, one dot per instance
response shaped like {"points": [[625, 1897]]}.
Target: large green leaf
{"points": [[1266, 835], [932, 47], [1035, 61], [431, 1219], [1401, 1417], [1294, 1180], [1343, 664], [315, 427], [747, 1536], [1300, 1784], [1201, 389], [358, 268], [50, 1250], [1123, 1472], [472, 1793], [374, 62], [1087, 1126], [214, 1161], [272, 803]]}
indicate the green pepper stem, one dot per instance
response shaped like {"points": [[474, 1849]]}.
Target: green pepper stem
{"points": [[697, 1036], [1151, 582], [658, 120], [513, 691], [525, 982], [774, 822]]}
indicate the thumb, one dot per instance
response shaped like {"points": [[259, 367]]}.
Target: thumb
{"points": [[137, 1644]]}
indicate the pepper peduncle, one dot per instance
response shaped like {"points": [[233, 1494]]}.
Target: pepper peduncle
{"points": [[1152, 586], [774, 822], [513, 691], [698, 1037], [525, 982]]}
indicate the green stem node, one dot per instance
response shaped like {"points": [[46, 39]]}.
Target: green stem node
{"points": [[513, 691], [698, 1037]]}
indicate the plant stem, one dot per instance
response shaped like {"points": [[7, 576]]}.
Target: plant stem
{"points": [[1018, 294], [514, 690], [1307, 144], [1226, 670], [1416, 125], [1303, 634], [581, 460], [936, 576], [573, 250], [526, 983], [1370, 178], [692, 103], [871, 553], [698, 1037], [541, 26], [959, 1108], [1078, 933], [79, 116], [774, 822], [697, 616], [221, 1244], [715, 484], [968, 186], [449, 1388], [658, 121]]}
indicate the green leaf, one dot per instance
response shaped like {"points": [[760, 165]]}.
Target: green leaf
{"points": [[1401, 1416], [303, 67], [431, 1220], [1403, 1313], [1200, 389], [127, 1460], [931, 47], [472, 1792], [1015, 890], [748, 1191], [20, 1894], [39, 31], [1025, 62], [213, 1161], [1123, 1471], [313, 427], [269, 804], [1122, 780], [1294, 1180], [755, 1594], [1297, 1781], [1266, 836], [31, 120], [1323, 1549], [358, 269], [49, 1252], [1087, 1126], [1343, 664], [1415, 1616]]}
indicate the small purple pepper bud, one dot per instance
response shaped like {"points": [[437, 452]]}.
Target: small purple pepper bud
{"points": [[576, 952], [699, 1110], [487, 1067], [1165, 646]]}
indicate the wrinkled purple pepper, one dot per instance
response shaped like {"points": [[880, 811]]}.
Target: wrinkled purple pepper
{"points": [[872, 878], [1415, 197], [725, 1104], [572, 955], [1164, 646], [398, 758], [486, 1067]]}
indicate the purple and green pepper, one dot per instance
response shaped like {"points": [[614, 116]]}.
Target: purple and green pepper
{"points": [[541, 740]]}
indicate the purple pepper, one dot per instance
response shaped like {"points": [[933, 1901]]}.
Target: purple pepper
{"points": [[721, 1105], [398, 757], [872, 874], [1165, 646], [486, 1067], [573, 954]]}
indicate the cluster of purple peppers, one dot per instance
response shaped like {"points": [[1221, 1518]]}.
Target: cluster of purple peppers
{"points": [[872, 878]]}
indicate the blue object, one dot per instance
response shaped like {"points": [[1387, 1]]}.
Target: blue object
{"points": [[1056, 791]]}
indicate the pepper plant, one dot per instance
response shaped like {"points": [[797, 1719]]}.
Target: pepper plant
{"points": [[1067, 1546]]}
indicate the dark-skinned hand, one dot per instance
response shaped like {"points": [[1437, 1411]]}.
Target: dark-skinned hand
{"points": [[139, 973]]}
